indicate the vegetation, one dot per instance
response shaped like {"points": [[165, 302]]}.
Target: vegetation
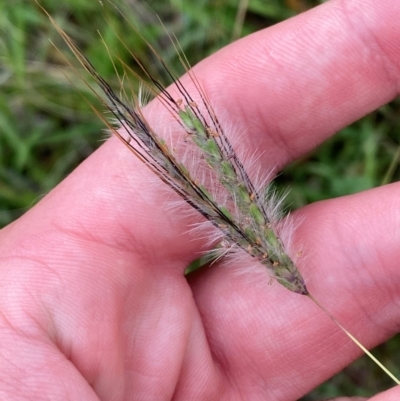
{"points": [[47, 128]]}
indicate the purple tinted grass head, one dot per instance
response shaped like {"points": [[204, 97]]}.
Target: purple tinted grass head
{"points": [[246, 219]]}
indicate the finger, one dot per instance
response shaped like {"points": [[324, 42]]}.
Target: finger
{"points": [[308, 80], [389, 395], [269, 339], [295, 84]]}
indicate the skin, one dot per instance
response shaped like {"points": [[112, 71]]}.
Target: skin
{"points": [[93, 301]]}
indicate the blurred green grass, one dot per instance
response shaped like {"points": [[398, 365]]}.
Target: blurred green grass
{"points": [[47, 128]]}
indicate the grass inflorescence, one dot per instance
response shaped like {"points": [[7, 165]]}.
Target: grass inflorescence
{"points": [[250, 223]]}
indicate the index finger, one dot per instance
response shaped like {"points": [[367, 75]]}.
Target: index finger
{"points": [[287, 88], [292, 86]]}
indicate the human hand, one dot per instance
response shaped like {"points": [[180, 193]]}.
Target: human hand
{"points": [[93, 301]]}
